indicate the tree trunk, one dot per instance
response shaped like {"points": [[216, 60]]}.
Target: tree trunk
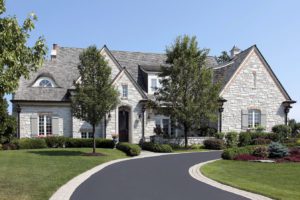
{"points": [[185, 136], [94, 139]]}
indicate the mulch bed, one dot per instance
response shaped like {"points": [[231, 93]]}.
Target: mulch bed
{"points": [[93, 154]]}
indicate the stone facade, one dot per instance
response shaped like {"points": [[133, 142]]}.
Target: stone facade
{"points": [[243, 93], [63, 112], [252, 86]]}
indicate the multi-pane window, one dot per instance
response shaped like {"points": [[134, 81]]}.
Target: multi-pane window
{"points": [[45, 125], [164, 124], [153, 84], [45, 83], [124, 91], [86, 134], [254, 118]]}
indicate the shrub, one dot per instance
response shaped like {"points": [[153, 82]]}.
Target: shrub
{"points": [[215, 144], [105, 143], [244, 139], [82, 142], [283, 131], [31, 143], [255, 135], [273, 137], [259, 129], [55, 141], [295, 151], [219, 136], [246, 157], [150, 146], [261, 151], [1, 147], [231, 153], [277, 150], [261, 141], [9, 146], [298, 142], [231, 139], [129, 149]]}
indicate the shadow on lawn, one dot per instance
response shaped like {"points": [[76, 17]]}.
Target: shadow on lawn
{"points": [[58, 153]]}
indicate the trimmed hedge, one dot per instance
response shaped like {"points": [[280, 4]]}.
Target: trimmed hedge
{"points": [[129, 149], [31, 143], [83, 142], [215, 144], [231, 153], [162, 148], [55, 141]]}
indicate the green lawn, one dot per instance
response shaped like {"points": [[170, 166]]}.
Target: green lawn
{"points": [[278, 181], [37, 174]]}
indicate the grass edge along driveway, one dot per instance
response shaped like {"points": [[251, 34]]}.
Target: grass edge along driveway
{"points": [[37, 174], [275, 180]]}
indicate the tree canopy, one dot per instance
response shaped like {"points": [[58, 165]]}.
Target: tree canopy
{"points": [[188, 94], [16, 58], [94, 95]]}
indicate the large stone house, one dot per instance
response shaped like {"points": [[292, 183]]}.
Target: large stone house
{"points": [[254, 95]]}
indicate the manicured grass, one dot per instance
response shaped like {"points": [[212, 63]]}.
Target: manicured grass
{"points": [[278, 181], [37, 174]]}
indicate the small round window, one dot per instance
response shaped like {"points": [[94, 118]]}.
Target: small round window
{"points": [[45, 83]]}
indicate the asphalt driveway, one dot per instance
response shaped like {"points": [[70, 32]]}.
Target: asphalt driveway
{"points": [[154, 178]]}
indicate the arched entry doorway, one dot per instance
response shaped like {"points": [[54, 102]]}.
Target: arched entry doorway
{"points": [[124, 119]]}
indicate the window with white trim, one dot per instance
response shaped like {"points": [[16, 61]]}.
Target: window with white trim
{"points": [[125, 91], [86, 134], [163, 123], [153, 84], [44, 82], [254, 118], [45, 125]]}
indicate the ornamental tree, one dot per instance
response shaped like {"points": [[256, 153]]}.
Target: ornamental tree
{"points": [[16, 58], [94, 94], [188, 94]]}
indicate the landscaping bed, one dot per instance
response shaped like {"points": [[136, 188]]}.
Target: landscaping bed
{"points": [[276, 180], [37, 173]]}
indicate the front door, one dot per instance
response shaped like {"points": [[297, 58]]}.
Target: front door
{"points": [[123, 125]]}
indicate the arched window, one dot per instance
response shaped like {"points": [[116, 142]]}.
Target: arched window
{"points": [[44, 82], [254, 118]]}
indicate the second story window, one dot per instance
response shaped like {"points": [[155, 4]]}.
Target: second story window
{"points": [[125, 91], [153, 84]]}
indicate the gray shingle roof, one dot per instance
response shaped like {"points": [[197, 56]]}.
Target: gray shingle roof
{"points": [[64, 71]]}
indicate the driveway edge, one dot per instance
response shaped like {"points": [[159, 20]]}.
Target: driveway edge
{"points": [[195, 172], [65, 192]]}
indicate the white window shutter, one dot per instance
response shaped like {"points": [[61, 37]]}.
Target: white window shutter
{"points": [[34, 125], [263, 118], [244, 119], [55, 126]]}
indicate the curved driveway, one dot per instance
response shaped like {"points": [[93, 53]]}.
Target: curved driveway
{"points": [[154, 178]]}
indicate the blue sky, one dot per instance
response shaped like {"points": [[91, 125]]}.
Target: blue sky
{"points": [[150, 26]]}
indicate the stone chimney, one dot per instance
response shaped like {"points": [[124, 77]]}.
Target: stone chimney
{"points": [[234, 51], [54, 51]]}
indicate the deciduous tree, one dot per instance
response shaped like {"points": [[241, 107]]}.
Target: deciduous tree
{"points": [[94, 94], [188, 94]]}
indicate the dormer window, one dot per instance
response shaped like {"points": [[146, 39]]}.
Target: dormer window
{"points": [[44, 82]]}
